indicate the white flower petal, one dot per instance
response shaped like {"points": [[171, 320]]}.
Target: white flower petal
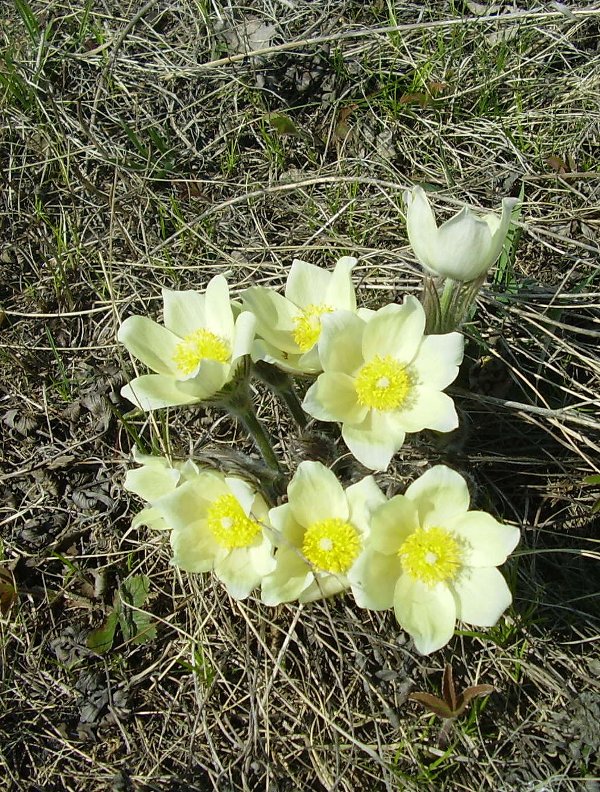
{"points": [[190, 501], [340, 342], [395, 330], [428, 409], [392, 523], [153, 391], [183, 311], [421, 227], [374, 441], [438, 358], [245, 326], [499, 227], [275, 317], [194, 547], [306, 284], [149, 342], [340, 292], [323, 586], [315, 494], [217, 307], [333, 398], [152, 481], [363, 498], [428, 614], [482, 595], [291, 576], [489, 542], [373, 579], [239, 571], [440, 494]]}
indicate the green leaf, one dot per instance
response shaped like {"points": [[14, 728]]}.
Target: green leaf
{"points": [[136, 625], [595, 479], [283, 125], [101, 639]]}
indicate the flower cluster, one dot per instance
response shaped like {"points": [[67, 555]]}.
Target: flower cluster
{"points": [[423, 553], [380, 375]]}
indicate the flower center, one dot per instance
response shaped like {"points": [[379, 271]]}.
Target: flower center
{"points": [[383, 384], [431, 556], [308, 325], [198, 346], [229, 524], [331, 545]]}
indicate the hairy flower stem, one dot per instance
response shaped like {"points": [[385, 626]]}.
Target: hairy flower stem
{"points": [[282, 385], [239, 404]]}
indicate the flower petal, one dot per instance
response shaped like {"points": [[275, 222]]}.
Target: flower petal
{"points": [[290, 577], [323, 586], [482, 595], [395, 330], [428, 409], [333, 398], [243, 336], [190, 501], [374, 441], [489, 542], [340, 292], [239, 571], [275, 317], [463, 247], [499, 226], [183, 311], [440, 494], [149, 342], [373, 579], [438, 358], [427, 613], [150, 482], [194, 547], [421, 227], [315, 494], [392, 523], [363, 498], [340, 342], [217, 307], [306, 284], [153, 391]]}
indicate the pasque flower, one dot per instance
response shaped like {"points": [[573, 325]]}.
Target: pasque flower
{"points": [[464, 247], [434, 561], [320, 532], [288, 327], [196, 352], [219, 523], [382, 377]]}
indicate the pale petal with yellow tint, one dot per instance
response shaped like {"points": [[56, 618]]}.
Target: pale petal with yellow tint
{"points": [[340, 292], [428, 409], [290, 577], [438, 359], [427, 613], [307, 284], [373, 579], [217, 307], [487, 541], [315, 494], [482, 596], [375, 440], [333, 398], [183, 311], [440, 495], [154, 391], [323, 586], [150, 342], [395, 330]]}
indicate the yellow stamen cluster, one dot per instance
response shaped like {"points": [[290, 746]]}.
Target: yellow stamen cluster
{"points": [[307, 326], [331, 545], [383, 384], [198, 346], [431, 555], [229, 524]]}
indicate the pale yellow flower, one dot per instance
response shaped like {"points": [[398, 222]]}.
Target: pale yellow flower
{"points": [[288, 327], [196, 352], [382, 378], [464, 247], [321, 531], [434, 561]]}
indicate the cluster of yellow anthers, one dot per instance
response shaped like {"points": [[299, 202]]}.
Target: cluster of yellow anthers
{"points": [[422, 553], [377, 374]]}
